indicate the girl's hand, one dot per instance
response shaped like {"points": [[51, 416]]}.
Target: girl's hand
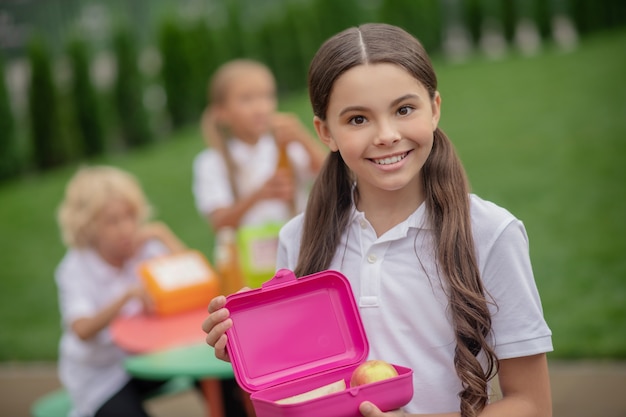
{"points": [[140, 293], [215, 327], [280, 186], [368, 409], [158, 231], [149, 231], [287, 127]]}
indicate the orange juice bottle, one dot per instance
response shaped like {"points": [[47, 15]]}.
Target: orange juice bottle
{"points": [[227, 261], [285, 164]]}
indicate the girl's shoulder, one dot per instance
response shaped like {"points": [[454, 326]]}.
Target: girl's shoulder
{"points": [[207, 155], [489, 219], [77, 263], [292, 230]]}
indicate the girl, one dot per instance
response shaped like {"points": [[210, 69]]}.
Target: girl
{"points": [[236, 182], [442, 278], [103, 222]]}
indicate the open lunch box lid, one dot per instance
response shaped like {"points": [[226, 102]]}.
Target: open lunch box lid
{"points": [[293, 328]]}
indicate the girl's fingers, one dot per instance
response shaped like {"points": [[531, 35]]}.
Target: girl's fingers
{"points": [[216, 324], [214, 320], [217, 303], [216, 336], [220, 349], [367, 409]]}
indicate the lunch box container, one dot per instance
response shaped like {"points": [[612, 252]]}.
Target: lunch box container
{"points": [[294, 335]]}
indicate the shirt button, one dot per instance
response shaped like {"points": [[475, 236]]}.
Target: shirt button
{"points": [[363, 224], [371, 258]]}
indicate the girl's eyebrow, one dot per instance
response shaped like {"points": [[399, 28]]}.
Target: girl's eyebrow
{"points": [[393, 104], [404, 97]]}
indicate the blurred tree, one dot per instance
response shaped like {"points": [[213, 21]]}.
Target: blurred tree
{"points": [[86, 109], [420, 18], [129, 91], [473, 16], [283, 54], [335, 16], [542, 17], [48, 149], [9, 158], [204, 56], [190, 55], [175, 71], [307, 30], [233, 35]]}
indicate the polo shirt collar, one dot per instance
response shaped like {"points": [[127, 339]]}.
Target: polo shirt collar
{"points": [[416, 220]]}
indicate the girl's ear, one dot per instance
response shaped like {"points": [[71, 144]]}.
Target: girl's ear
{"points": [[321, 127], [436, 109]]}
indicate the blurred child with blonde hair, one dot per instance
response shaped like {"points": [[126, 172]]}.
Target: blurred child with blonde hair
{"points": [[104, 223]]}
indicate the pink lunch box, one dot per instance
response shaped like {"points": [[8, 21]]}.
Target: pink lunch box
{"points": [[294, 335]]}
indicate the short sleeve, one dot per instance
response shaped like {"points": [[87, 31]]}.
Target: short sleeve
{"points": [[519, 328], [289, 243], [211, 188], [300, 159], [74, 300]]}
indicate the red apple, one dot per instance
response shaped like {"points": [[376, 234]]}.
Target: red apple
{"points": [[372, 371]]}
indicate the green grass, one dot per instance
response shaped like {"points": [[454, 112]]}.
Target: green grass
{"points": [[543, 137]]}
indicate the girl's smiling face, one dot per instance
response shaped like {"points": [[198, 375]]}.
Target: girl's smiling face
{"points": [[381, 120]]}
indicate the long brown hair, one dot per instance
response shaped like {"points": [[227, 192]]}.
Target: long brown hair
{"points": [[446, 197], [216, 134]]}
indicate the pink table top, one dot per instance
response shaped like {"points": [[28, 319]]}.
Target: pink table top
{"points": [[148, 333]]}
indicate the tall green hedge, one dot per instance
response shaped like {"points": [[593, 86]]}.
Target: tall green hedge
{"points": [[9, 158], [128, 90], [175, 71], [191, 51], [420, 18], [204, 56], [86, 109], [48, 148]]}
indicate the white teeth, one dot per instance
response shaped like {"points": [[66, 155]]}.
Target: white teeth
{"points": [[390, 160]]}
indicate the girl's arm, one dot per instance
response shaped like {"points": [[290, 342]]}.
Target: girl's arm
{"points": [[232, 215], [160, 231], [279, 186], [525, 385], [88, 327]]}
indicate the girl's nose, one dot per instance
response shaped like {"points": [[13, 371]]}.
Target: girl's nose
{"points": [[387, 134]]}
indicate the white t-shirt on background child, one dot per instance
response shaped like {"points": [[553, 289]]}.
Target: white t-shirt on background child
{"points": [[92, 371], [255, 165]]}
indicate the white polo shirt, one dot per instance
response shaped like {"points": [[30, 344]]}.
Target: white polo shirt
{"points": [[92, 371], [404, 307], [255, 165]]}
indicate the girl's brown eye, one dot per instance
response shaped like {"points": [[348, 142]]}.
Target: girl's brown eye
{"points": [[357, 120], [405, 110]]}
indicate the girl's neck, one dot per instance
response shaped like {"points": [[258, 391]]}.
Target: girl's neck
{"points": [[250, 139], [386, 209], [113, 261]]}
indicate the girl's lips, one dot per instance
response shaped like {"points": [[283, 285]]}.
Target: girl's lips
{"points": [[389, 160]]}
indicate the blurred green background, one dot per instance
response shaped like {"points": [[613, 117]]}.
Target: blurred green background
{"points": [[534, 98]]}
